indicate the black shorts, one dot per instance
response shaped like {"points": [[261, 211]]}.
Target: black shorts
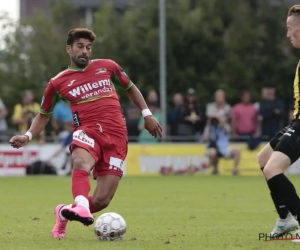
{"points": [[287, 141], [214, 145]]}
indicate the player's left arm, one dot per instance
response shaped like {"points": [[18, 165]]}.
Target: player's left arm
{"points": [[151, 124]]}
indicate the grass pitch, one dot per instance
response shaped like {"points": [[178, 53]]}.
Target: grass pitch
{"points": [[173, 212]]}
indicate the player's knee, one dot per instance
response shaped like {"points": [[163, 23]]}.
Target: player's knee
{"points": [[264, 155], [101, 202], [78, 163], [277, 164], [269, 172]]}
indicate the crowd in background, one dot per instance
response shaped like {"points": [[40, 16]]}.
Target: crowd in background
{"points": [[186, 119]]}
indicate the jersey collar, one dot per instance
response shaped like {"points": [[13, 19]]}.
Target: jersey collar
{"points": [[79, 69]]}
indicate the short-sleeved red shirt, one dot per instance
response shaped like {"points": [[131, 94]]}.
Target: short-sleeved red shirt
{"points": [[91, 92]]}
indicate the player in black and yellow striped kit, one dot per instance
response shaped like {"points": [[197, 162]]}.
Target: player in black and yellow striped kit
{"points": [[284, 149]]}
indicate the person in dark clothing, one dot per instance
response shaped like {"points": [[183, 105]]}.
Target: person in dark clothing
{"points": [[173, 115], [271, 111], [191, 118]]}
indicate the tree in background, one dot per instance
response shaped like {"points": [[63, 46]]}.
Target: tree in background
{"points": [[212, 44]]}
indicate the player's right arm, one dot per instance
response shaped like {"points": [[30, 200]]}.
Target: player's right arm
{"points": [[49, 100]]}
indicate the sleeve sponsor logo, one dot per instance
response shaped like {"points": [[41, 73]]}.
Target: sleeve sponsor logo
{"points": [[43, 100], [123, 72]]}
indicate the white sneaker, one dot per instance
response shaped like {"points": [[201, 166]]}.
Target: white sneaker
{"points": [[296, 237], [284, 226]]}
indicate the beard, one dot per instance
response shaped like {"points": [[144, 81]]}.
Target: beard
{"points": [[81, 61]]}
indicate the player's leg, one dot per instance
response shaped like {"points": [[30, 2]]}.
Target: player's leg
{"points": [[82, 163], [84, 158], [104, 191], [265, 154], [285, 153], [108, 171], [262, 158]]}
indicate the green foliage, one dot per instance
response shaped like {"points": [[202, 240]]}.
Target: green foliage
{"points": [[213, 44]]}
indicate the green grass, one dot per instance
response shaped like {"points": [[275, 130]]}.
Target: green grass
{"points": [[177, 212]]}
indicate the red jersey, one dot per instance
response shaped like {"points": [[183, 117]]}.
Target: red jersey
{"points": [[92, 96]]}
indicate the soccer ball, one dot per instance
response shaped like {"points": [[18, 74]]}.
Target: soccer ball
{"points": [[110, 227]]}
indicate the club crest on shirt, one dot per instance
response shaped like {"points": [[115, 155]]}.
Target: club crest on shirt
{"points": [[100, 71]]}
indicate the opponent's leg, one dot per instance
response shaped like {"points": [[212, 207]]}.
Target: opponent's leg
{"points": [[286, 222], [279, 184], [262, 158], [82, 164]]}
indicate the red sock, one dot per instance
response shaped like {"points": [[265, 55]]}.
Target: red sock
{"points": [[80, 183], [92, 208]]}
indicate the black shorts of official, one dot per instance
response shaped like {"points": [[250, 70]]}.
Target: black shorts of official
{"points": [[287, 141]]}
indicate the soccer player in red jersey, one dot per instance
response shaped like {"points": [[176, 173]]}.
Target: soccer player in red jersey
{"points": [[99, 131]]}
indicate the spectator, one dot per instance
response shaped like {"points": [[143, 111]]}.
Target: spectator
{"points": [[217, 136], [271, 111], [3, 124], [61, 120], [244, 121], [144, 136], [219, 107], [132, 117], [173, 114], [25, 112], [191, 118], [152, 97]]}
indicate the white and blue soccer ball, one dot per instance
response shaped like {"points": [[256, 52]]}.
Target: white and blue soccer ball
{"points": [[110, 227]]}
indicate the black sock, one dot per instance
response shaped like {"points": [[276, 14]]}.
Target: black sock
{"points": [[278, 203], [283, 188]]}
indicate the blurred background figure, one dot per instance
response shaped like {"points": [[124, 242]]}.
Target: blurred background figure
{"points": [[173, 115], [191, 118], [132, 116], [244, 122], [3, 124], [271, 111], [152, 97], [217, 133], [217, 136], [24, 113], [219, 108], [144, 136], [61, 120]]}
